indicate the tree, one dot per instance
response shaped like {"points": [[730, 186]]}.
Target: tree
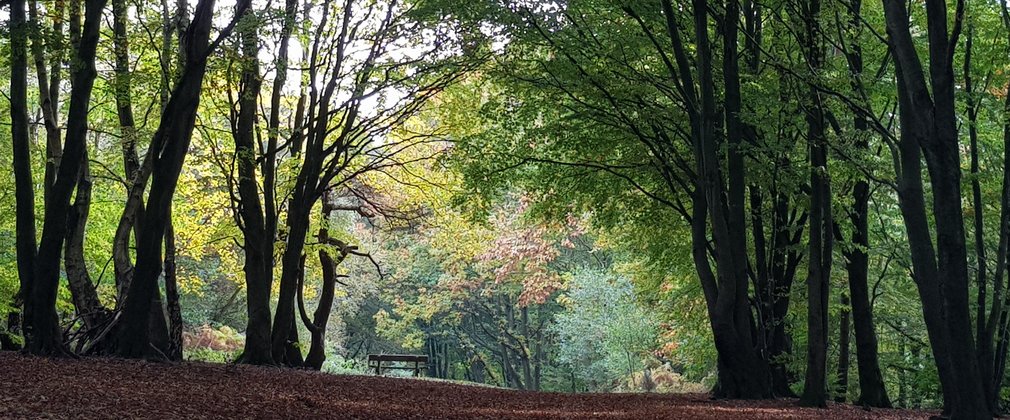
{"points": [[258, 222], [815, 392], [871, 382], [169, 147], [334, 139], [26, 247], [42, 330], [929, 131], [603, 333]]}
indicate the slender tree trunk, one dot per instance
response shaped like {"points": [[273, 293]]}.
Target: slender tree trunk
{"points": [[821, 237], [317, 325], [172, 140], [317, 349], [175, 324], [85, 298], [47, 97], [984, 341], [122, 262], [843, 351], [284, 336], [871, 382], [46, 338], [82, 291], [786, 237], [24, 187], [929, 126], [258, 245], [1001, 301]]}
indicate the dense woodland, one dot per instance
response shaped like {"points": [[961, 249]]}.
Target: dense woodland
{"points": [[761, 198]]}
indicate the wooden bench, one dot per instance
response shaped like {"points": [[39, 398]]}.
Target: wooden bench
{"points": [[376, 360]]}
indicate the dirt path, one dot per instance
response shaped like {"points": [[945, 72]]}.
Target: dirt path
{"points": [[109, 388]]}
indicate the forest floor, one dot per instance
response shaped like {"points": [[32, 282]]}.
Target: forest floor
{"points": [[107, 388]]}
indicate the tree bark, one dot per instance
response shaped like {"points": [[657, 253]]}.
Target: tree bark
{"points": [[136, 177], [48, 96], [317, 325], [815, 390], [258, 244], [82, 291], [24, 190], [871, 382], [998, 321], [843, 351], [284, 338], [172, 305], [984, 341]]}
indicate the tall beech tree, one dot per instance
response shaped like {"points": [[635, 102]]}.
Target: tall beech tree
{"points": [[24, 189], [776, 241], [169, 147], [335, 136], [43, 334], [929, 131], [136, 174], [742, 372], [815, 389], [871, 382], [257, 217]]}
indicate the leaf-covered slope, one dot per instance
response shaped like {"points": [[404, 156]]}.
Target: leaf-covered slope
{"points": [[108, 388]]}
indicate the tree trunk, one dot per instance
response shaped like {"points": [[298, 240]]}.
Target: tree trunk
{"points": [[984, 341], [871, 382], [172, 140], [815, 390], [24, 190], [45, 337], [158, 322], [175, 324], [48, 97], [929, 126], [82, 291], [258, 245], [998, 321], [135, 175], [843, 351], [742, 372], [284, 337], [317, 326]]}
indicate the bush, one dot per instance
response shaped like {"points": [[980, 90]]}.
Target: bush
{"points": [[209, 344], [661, 379]]}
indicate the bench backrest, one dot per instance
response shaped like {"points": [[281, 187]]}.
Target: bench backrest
{"points": [[397, 358]]}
